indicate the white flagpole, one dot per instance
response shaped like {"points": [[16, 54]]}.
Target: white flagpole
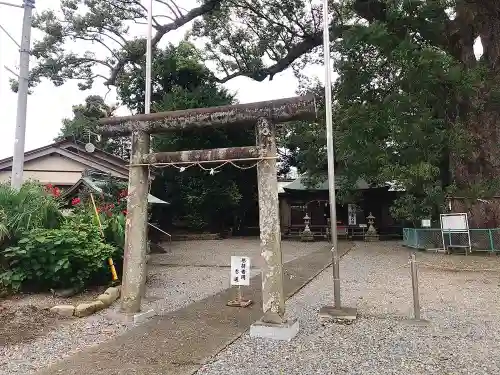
{"points": [[331, 154], [336, 311], [147, 101]]}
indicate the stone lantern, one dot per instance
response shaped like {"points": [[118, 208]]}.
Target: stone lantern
{"points": [[307, 235], [371, 233]]}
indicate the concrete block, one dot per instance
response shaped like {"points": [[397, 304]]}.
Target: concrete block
{"points": [[86, 309], [107, 299], [109, 296], [113, 291], [284, 332], [63, 310]]}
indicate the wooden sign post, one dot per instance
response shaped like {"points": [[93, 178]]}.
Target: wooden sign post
{"points": [[240, 275]]}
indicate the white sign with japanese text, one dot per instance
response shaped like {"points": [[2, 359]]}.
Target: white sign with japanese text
{"points": [[351, 214], [240, 270]]}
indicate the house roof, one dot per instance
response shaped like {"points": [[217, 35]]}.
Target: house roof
{"points": [[95, 186], [70, 148], [282, 184], [300, 184]]}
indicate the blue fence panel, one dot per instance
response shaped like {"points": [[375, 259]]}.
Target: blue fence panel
{"points": [[432, 238]]}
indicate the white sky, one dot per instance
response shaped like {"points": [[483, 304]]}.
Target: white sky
{"points": [[48, 105]]}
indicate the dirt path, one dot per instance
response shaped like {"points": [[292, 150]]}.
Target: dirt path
{"points": [[24, 323]]}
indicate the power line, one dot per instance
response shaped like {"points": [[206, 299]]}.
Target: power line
{"points": [[11, 71], [10, 4], [10, 36]]}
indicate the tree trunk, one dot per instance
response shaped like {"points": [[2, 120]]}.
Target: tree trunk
{"points": [[478, 170]]}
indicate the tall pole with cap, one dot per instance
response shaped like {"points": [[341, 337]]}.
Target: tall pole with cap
{"points": [[149, 53], [22, 96], [335, 312]]}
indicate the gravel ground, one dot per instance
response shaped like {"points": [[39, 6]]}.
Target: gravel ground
{"points": [[192, 271], [218, 253], [463, 336]]}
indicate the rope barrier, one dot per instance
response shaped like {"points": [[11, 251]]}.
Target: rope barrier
{"points": [[183, 165]]}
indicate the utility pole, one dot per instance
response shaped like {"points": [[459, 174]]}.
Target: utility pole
{"points": [[335, 312], [22, 96], [149, 53]]}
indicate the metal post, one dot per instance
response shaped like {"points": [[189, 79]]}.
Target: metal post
{"points": [[149, 52], [414, 284], [238, 295], [331, 155], [22, 97], [492, 244], [335, 312]]}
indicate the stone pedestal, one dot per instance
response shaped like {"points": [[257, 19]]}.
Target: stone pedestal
{"points": [[285, 331], [307, 236]]}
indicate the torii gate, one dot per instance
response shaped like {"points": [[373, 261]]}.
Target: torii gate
{"points": [[263, 115]]}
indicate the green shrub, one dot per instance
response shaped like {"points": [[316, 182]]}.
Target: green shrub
{"points": [[113, 224], [29, 208], [72, 256], [114, 229]]}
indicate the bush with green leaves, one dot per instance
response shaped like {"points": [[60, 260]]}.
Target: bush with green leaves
{"points": [[28, 208], [73, 255]]}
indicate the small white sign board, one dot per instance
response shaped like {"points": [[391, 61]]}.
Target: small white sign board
{"points": [[454, 223], [426, 223], [240, 270]]}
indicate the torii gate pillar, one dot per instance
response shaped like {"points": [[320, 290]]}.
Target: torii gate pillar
{"points": [[136, 227]]}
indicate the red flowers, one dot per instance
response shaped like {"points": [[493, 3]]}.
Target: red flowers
{"points": [[119, 207], [53, 190]]}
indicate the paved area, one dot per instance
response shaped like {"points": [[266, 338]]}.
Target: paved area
{"points": [[193, 270], [218, 253], [462, 338], [181, 341]]}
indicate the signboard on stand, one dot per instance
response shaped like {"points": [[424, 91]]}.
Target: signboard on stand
{"points": [[455, 231], [240, 270], [240, 275]]}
